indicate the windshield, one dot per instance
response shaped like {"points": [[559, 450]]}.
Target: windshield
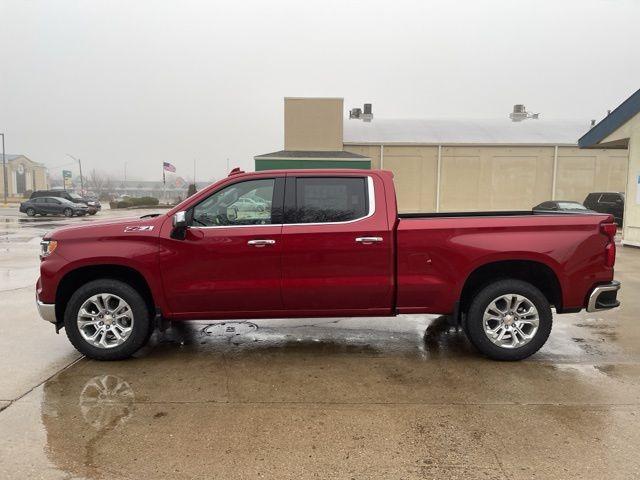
{"points": [[75, 195]]}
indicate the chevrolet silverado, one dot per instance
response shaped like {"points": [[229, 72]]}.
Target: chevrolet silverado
{"points": [[323, 243]]}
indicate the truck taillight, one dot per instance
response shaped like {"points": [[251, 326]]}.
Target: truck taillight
{"points": [[610, 230]]}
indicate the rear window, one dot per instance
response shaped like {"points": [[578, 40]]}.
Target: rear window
{"points": [[571, 206], [330, 199], [609, 198]]}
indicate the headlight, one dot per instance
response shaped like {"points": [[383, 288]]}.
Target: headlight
{"points": [[47, 247]]}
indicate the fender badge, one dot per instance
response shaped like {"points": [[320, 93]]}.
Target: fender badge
{"points": [[141, 228]]}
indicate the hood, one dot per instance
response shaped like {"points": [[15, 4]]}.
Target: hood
{"points": [[148, 226]]}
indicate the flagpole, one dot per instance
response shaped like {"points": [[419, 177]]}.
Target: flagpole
{"points": [[164, 186]]}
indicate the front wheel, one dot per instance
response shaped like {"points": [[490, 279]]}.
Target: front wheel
{"points": [[68, 212], [107, 320], [509, 320], [31, 212]]}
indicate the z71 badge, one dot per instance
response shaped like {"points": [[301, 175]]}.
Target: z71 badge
{"points": [[140, 228]]}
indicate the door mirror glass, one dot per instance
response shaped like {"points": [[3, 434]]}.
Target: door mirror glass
{"points": [[180, 220]]}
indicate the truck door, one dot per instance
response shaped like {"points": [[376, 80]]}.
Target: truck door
{"points": [[336, 245], [228, 264]]}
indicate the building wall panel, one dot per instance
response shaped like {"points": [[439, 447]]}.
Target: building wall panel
{"points": [[496, 177], [415, 173]]}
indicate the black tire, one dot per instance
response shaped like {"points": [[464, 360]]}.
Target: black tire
{"points": [[93, 213], [475, 324], [31, 212], [142, 324], [68, 212]]}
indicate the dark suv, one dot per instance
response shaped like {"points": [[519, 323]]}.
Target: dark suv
{"points": [[93, 205], [607, 202]]}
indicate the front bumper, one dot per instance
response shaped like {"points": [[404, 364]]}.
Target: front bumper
{"points": [[604, 297], [47, 311]]}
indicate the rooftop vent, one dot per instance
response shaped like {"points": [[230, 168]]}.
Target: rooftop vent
{"points": [[358, 113], [520, 113], [355, 113]]}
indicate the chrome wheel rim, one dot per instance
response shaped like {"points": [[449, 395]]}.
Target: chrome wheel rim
{"points": [[511, 321], [105, 320]]}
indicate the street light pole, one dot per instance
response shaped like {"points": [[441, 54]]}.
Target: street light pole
{"points": [[79, 165], [4, 171]]}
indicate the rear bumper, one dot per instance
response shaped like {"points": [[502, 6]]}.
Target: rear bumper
{"points": [[604, 297]]}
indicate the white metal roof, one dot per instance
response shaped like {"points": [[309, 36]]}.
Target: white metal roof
{"points": [[469, 132]]}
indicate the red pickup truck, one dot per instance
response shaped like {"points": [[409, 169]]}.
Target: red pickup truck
{"points": [[323, 243]]}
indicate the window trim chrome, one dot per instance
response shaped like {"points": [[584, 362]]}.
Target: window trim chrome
{"points": [[372, 205], [370, 213]]}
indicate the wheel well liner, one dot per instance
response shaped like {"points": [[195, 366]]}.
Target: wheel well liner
{"points": [[75, 278], [538, 274]]}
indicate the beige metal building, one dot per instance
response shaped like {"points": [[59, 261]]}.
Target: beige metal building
{"points": [[454, 165], [621, 130], [23, 175]]}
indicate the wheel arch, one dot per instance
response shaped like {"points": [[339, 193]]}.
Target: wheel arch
{"points": [[73, 279], [534, 272]]}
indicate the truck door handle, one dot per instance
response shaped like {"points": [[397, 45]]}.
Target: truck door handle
{"points": [[369, 240], [261, 243]]}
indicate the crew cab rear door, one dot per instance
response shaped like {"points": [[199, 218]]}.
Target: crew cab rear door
{"points": [[336, 245]]}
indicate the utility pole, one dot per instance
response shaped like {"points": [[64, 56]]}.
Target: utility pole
{"points": [[81, 179], [4, 172]]}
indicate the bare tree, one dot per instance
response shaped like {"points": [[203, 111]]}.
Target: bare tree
{"points": [[99, 182]]}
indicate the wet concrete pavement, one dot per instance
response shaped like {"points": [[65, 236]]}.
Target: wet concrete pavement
{"points": [[319, 398]]}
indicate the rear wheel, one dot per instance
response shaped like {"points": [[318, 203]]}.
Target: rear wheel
{"points": [[31, 212], [68, 212], [509, 320], [107, 320]]}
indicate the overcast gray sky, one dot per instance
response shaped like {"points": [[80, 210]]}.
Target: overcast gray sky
{"points": [[115, 81]]}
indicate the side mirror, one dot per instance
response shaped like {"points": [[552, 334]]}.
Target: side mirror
{"points": [[179, 226], [180, 220]]}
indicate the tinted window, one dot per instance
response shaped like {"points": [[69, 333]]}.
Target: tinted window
{"points": [[322, 200], [243, 203], [609, 198], [547, 206], [38, 200], [571, 206], [53, 200]]}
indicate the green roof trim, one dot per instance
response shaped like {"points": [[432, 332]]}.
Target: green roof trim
{"points": [[297, 163]]}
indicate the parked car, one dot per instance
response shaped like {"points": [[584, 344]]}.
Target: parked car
{"points": [[93, 204], [562, 206], [53, 206], [332, 245], [607, 202]]}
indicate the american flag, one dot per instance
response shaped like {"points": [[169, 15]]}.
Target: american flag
{"points": [[168, 167]]}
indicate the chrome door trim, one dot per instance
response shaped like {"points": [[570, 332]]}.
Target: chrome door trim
{"points": [[369, 240], [261, 242]]}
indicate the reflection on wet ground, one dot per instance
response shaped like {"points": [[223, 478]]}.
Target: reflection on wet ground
{"points": [[329, 398]]}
